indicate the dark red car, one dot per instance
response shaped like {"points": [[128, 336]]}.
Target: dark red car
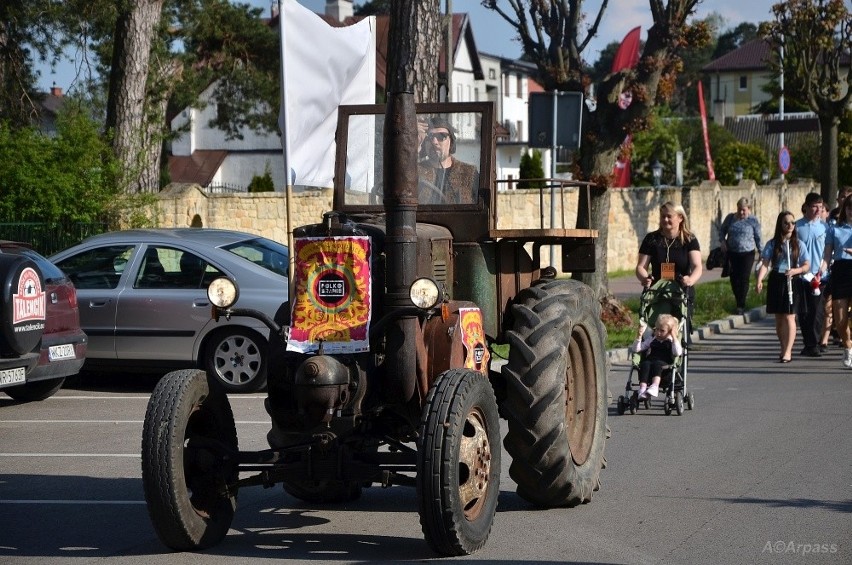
{"points": [[41, 342]]}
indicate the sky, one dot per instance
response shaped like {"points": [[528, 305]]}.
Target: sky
{"points": [[495, 37]]}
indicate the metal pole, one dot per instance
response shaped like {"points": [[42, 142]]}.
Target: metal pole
{"points": [[553, 176], [449, 51], [781, 103]]}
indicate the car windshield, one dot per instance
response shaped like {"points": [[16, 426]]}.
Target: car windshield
{"points": [[264, 252]]}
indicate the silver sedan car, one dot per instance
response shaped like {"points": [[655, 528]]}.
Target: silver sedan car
{"points": [[143, 300]]}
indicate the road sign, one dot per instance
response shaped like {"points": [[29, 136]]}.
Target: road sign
{"points": [[784, 160], [569, 112]]}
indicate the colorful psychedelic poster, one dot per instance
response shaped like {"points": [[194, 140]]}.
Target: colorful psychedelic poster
{"points": [[332, 304], [473, 339]]}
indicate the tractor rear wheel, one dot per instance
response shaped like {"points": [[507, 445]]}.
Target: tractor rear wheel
{"points": [[556, 399]]}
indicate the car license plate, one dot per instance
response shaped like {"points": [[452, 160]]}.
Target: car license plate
{"points": [[13, 376], [59, 352]]}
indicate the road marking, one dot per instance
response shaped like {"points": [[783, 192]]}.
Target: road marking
{"points": [[134, 502], [136, 455], [135, 422], [143, 395]]}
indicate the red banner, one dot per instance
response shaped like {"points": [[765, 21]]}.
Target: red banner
{"points": [[711, 175], [625, 58], [332, 303]]}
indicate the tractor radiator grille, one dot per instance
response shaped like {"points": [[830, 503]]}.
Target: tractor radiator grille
{"points": [[439, 271]]}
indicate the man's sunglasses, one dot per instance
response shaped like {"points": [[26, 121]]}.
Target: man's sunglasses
{"points": [[440, 136]]}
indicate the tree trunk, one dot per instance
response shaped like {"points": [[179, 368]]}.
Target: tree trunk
{"points": [[829, 126], [593, 212], [423, 45], [126, 101]]}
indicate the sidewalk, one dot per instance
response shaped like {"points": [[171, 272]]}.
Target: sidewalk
{"points": [[629, 287]]}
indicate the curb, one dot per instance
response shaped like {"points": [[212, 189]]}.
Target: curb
{"points": [[622, 355]]}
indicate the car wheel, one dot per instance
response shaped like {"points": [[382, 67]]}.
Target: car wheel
{"points": [[237, 359], [38, 390]]}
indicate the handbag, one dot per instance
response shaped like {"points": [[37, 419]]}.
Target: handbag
{"points": [[717, 258]]}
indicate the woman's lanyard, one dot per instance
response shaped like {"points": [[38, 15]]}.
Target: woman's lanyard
{"points": [[667, 269]]}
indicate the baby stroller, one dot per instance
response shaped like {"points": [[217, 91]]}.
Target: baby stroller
{"points": [[663, 297]]}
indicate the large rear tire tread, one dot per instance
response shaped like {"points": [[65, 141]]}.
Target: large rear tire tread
{"points": [[556, 344], [188, 443], [458, 463]]}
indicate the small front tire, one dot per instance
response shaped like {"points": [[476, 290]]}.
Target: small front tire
{"points": [[458, 462], [189, 447]]}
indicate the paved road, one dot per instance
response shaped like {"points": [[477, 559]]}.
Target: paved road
{"points": [[759, 472]]}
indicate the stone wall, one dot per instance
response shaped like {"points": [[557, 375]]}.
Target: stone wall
{"points": [[633, 211]]}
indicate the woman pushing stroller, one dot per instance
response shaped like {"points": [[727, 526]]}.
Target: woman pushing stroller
{"points": [[671, 252], [660, 350]]}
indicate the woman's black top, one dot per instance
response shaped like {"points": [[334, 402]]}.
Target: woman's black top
{"points": [[663, 250]]}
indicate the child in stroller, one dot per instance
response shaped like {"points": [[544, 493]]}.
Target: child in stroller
{"points": [[660, 359], [660, 349]]}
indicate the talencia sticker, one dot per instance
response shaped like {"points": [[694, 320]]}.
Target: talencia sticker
{"points": [[473, 338], [29, 303]]}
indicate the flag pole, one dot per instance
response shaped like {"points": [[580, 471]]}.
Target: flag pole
{"points": [[285, 145]]}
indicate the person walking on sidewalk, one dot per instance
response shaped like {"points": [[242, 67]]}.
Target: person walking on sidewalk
{"points": [[671, 252], [782, 258], [811, 231], [838, 258], [739, 237]]}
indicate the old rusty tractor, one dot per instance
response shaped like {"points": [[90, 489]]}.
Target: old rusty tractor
{"points": [[385, 373]]}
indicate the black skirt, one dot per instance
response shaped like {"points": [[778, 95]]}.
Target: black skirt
{"points": [[778, 296], [841, 279]]}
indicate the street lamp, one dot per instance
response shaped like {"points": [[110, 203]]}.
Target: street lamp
{"points": [[738, 173], [764, 174], [657, 170]]}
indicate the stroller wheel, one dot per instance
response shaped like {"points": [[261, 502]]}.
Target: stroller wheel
{"points": [[667, 407], [621, 406], [690, 401], [634, 404], [679, 403], [647, 404]]}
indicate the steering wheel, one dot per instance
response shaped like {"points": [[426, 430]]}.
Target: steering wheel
{"points": [[435, 195]]}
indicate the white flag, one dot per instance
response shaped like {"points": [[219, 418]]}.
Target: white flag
{"points": [[322, 67]]}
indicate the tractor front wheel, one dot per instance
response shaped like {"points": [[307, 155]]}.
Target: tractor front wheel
{"points": [[458, 462], [189, 444]]}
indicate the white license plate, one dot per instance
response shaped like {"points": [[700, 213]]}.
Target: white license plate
{"points": [[13, 376], [59, 352]]}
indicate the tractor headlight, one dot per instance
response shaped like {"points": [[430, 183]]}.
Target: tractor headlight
{"points": [[222, 292], [424, 293]]}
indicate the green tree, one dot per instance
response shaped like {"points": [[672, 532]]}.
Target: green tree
{"points": [[553, 36], [262, 183], [28, 32], [752, 158], [734, 39], [69, 177], [815, 37], [531, 168]]}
